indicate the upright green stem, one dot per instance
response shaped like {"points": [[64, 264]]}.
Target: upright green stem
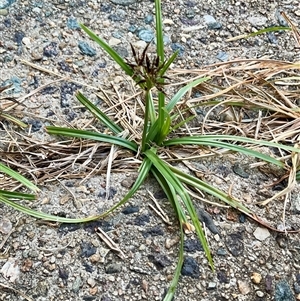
{"points": [[160, 54], [159, 31], [146, 119]]}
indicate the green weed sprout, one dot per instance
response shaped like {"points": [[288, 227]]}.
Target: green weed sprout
{"points": [[159, 121]]}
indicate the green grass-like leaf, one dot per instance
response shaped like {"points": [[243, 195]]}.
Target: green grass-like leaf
{"points": [[168, 63], [197, 183], [159, 32], [214, 140], [15, 175], [259, 32], [98, 113], [93, 136], [112, 53], [178, 96], [14, 120], [174, 183], [143, 173], [42, 215], [17, 195]]}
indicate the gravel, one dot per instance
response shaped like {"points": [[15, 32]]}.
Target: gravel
{"points": [[70, 262]]}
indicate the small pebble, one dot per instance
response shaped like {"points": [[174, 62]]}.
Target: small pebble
{"points": [[221, 252], [260, 294], [86, 49], [146, 35], [256, 278], [91, 282], [50, 50], [95, 258], [244, 287], [130, 210], [3, 12], [178, 47], [261, 233], [77, 284], [280, 19], [114, 41], [113, 268], [258, 21], [212, 22], [234, 243], [72, 23], [223, 56], [5, 225], [211, 285]]}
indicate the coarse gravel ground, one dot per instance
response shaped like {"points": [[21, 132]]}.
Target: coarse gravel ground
{"points": [[41, 261]]}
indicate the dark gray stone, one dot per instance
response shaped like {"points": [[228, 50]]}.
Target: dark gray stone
{"points": [[51, 50], [155, 231], [142, 220], [204, 217], [159, 260], [272, 38], [113, 268], [86, 49], [223, 276], [19, 35], [234, 243], [87, 249], [192, 245], [130, 210], [190, 268], [36, 125], [238, 169]]}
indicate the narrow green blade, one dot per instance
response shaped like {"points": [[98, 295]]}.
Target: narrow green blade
{"points": [[143, 173], [171, 291], [98, 113], [17, 195], [18, 177], [213, 140], [14, 120], [195, 182], [168, 63], [164, 129], [152, 113], [42, 215], [92, 136], [178, 96], [261, 31], [174, 182], [159, 31], [112, 53], [167, 190]]}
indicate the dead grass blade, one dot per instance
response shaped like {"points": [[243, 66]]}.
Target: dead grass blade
{"points": [[109, 242], [294, 28]]}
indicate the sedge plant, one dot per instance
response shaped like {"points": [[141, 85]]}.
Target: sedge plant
{"points": [[158, 135]]}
